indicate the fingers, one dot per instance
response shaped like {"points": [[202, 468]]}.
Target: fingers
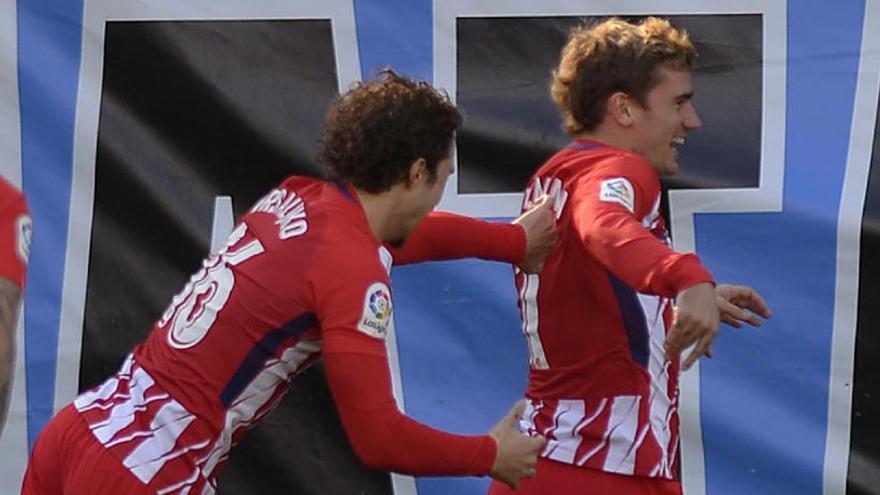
{"points": [[543, 202], [703, 348], [674, 342], [516, 456], [758, 304], [539, 223], [540, 443], [730, 320], [752, 319], [679, 338], [745, 297], [733, 315], [739, 304], [517, 410]]}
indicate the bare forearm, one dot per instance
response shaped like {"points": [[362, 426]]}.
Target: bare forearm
{"points": [[10, 299], [4, 404]]}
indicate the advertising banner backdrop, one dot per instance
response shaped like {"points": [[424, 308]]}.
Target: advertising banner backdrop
{"points": [[140, 130]]}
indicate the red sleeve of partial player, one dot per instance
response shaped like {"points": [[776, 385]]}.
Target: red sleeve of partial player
{"points": [[446, 236], [608, 224], [15, 225], [380, 434]]}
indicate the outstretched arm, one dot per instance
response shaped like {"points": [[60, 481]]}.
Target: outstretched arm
{"points": [[444, 236], [385, 438], [352, 300], [616, 229]]}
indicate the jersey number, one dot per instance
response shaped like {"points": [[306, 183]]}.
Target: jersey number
{"points": [[193, 310]]}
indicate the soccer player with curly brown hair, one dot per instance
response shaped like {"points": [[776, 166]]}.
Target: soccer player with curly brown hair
{"points": [[303, 275]]}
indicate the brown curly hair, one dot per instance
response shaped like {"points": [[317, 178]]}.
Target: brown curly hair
{"points": [[376, 130], [614, 55]]}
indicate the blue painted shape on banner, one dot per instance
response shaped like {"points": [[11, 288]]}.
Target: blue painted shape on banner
{"points": [[49, 44], [765, 394], [463, 359], [398, 33]]}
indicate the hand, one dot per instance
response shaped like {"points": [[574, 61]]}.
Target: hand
{"points": [[740, 304], [516, 454], [695, 320], [539, 224]]}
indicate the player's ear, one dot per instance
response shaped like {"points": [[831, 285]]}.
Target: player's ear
{"points": [[418, 172], [620, 108]]}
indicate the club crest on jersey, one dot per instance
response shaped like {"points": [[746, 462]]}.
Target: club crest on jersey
{"points": [[618, 190], [23, 229], [377, 311]]}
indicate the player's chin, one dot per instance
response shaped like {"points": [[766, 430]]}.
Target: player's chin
{"points": [[670, 167]]}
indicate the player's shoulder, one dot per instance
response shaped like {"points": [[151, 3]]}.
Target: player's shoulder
{"points": [[616, 165], [300, 205], [617, 161], [582, 157], [344, 242]]}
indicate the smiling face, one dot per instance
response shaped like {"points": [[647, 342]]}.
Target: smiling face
{"points": [[662, 123]]}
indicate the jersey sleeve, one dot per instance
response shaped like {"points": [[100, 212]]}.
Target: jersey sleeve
{"points": [[15, 240], [445, 236], [608, 204], [355, 308], [385, 438]]}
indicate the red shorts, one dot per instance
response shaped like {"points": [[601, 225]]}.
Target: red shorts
{"points": [[563, 479], [68, 459]]}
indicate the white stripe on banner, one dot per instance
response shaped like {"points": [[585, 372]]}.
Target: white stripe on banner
{"points": [[400, 484], [224, 222], [849, 230], [768, 197], [13, 435], [95, 16], [10, 124]]}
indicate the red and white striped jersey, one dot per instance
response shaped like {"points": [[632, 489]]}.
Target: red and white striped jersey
{"points": [[595, 320], [302, 274], [15, 233]]}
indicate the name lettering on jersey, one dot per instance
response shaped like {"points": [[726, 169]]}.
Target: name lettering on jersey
{"points": [[376, 316], [546, 185], [23, 229], [289, 210], [618, 190]]}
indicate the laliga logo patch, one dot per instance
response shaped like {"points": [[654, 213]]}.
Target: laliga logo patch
{"points": [[380, 304], [377, 311], [23, 231], [620, 191]]}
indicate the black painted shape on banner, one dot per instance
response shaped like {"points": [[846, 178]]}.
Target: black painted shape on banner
{"points": [[863, 477], [504, 66], [189, 111]]}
